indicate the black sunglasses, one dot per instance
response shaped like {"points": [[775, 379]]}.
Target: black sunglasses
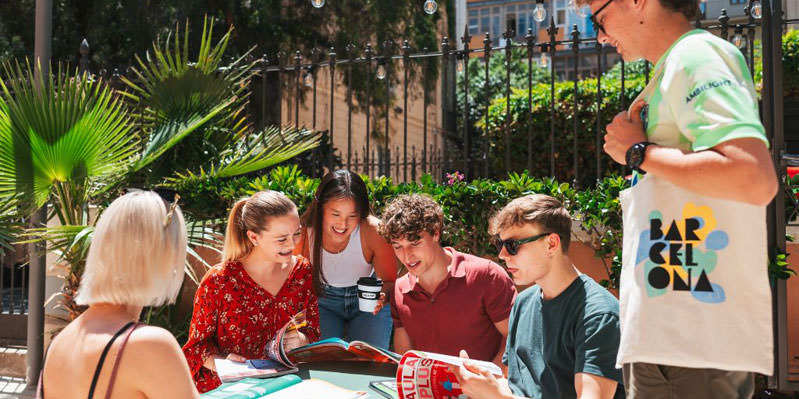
{"points": [[597, 25], [169, 196], [512, 246]]}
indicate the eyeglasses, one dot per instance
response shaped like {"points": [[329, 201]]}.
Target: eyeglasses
{"points": [[169, 196], [597, 25], [512, 246]]}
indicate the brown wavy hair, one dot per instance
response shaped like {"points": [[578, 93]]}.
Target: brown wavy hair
{"points": [[542, 210], [407, 216]]}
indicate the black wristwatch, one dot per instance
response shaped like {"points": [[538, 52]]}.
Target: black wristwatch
{"points": [[636, 154]]}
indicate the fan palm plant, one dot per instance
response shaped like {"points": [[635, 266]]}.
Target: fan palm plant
{"points": [[72, 141]]}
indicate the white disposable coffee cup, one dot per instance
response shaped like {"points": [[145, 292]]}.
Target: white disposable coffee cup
{"points": [[368, 293]]}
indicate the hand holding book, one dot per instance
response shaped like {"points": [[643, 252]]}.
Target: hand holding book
{"points": [[294, 339], [478, 382]]}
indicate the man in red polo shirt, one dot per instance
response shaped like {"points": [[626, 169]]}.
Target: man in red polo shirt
{"points": [[449, 300]]}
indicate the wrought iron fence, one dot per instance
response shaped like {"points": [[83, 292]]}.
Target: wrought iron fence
{"points": [[13, 283], [464, 147]]}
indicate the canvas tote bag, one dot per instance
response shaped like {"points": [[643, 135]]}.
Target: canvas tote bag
{"points": [[694, 288]]}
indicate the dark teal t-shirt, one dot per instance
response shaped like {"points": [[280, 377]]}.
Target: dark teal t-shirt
{"points": [[551, 341]]}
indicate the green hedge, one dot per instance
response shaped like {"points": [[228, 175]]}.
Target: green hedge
{"points": [[790, 64], [467, 205], [539, 117]]}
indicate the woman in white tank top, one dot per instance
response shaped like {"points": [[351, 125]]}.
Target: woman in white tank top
{"points": [[342, 242]]}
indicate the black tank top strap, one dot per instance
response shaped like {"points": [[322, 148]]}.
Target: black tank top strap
{"points": [[104, 354]]}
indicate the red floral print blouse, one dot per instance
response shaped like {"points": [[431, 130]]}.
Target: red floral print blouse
{"points": [[233, 314]]}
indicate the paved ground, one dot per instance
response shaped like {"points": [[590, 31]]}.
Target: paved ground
{"points": [[15, 388]]}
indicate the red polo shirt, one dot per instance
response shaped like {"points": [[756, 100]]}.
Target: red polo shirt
{"points": [[461, 313]]}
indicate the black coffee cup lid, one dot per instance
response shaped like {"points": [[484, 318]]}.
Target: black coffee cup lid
{"points": [[371, 281]]}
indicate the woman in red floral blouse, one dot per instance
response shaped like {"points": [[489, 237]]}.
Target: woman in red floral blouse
{"points": [[259, 286]]}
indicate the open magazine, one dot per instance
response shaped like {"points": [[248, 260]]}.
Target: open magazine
{"points": [[427, 375], [285, 387], [275, 349], [338, 349], [278, 362]]}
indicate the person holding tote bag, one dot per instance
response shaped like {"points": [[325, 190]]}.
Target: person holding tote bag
{"points": [[695, 300]]}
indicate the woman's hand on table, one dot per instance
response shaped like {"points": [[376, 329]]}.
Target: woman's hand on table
{"points": [[210, 363], [294, 339]]}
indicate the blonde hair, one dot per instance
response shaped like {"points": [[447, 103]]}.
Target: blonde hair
{"points": [[137, 253], [542, 210], [252, 214]]}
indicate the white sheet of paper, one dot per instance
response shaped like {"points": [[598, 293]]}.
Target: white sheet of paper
{"points": [[456, 361]]}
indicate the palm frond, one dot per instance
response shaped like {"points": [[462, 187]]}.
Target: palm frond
{"points": [[178, 97], [255, 152], [171, 132], [69, 242], [202, 234], [11, 225], [67, 129]]}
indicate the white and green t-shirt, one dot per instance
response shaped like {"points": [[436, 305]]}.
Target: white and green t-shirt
{"points": [[694, 289], [701, 95]]}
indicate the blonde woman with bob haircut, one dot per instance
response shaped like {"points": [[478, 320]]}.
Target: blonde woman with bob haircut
{"points": [[135, 260], [258, 288]]}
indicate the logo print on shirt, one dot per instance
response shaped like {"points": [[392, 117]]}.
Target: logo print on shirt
{"points": [[672, 259], [707, 86]]}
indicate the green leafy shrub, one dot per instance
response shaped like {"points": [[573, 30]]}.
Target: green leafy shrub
{"points": [[537, 120], [467, 205], [790, 64]]}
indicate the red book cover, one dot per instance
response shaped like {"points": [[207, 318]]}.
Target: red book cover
{"points": [[422, 375]]}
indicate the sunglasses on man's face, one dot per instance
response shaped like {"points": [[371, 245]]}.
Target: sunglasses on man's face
{"points": [[598, 26], [512, 246]]}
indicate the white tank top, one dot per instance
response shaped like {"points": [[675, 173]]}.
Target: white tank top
{"points": [[346, 267]]}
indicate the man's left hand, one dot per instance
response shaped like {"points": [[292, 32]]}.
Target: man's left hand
{"points": [[477, 383], [625, 130]]}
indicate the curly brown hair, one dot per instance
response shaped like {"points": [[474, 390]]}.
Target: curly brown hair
{"points": [[407, 216]]}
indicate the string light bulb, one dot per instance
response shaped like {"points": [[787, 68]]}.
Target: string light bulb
{"points": [[430, 7], [539, 12], [756, 9]]}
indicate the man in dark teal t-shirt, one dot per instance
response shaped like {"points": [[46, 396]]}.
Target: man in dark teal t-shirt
{"points": [[563, 333]]}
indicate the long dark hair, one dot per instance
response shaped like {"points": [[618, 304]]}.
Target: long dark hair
{"points": [[335, 185]]}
